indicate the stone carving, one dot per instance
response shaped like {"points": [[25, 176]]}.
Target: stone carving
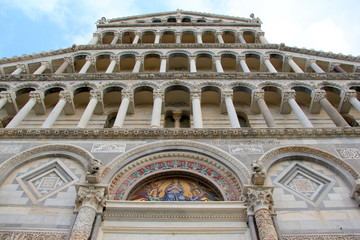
{"points": [[21, 234], [259, 198], [321, 236], [91, 196], [258, 175], [10, 149], [108, 147], [93, 171], [265, 225], [258, 94], [245, 149], [37, 95], [348, 153], [97, 94], [287, 95], [67, 95], [8, 96], [83, 224], [349, 95]]}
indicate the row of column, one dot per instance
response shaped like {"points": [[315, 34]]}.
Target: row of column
{"points": [[114, 60], [219, 37], [36, 99]]}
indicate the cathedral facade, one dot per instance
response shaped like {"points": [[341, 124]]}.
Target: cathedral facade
{"points": [[180, 125]]}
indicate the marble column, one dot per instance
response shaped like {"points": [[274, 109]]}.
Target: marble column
{"points": [[64, 97], [64, 65], [244, 66], [90, 200], [121, 114], [95, 39], [260, 203], [137, 65], [335, 116], [137, 38], [34, 97], [113, 61], [268, 64], [262, 38], [177, 117], [336, 67], [241, 37], [178, 37], [353, 100], [7, 99], [193, 64], [219, 37], [218, 65], [42, 68], [293, 65], [234, 120], [290, 98], [156, 112], [259, 99], [95, 97], [116, 38], [315, 67], [157, 37], [90, 60], [199, 37], [196, 109], [19, 69], [163, 64]]}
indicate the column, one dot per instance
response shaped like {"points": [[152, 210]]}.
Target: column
{"points": [[353, 100], [137, 38], [290, 98], [241, 37], [262, 38], [34, 97], [163, 64], [116, 38], [177, 117], [335, 116], [8, 97], [157, 37], [259, 99], [3, 101], [19, 69], [178, 37], [95, 97], [193, 64], [243, 64], [315, 67], [293, 65], [219, 37], [268, 64], [199, 37], [121, 114], [156, 113], [64, 65], [137, 65], [196, 108], [114, 60], [90, 60], [218, 65], [260, 203], [42, 68], [336, 67], [89, 201], [64, 96], [234, 120], [95, 39]]}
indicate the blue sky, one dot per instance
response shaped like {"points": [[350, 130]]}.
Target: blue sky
{"points": [[32, 26]]}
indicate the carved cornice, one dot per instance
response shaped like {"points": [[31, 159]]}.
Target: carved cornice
{"points": [[169, 133], [183, 76]]}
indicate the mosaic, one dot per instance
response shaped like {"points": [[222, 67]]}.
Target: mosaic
{"points": [[303, 185], [48, 182], [175, 189], [176, 165]]}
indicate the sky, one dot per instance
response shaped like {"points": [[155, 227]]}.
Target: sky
{"points": [[33, 26]]}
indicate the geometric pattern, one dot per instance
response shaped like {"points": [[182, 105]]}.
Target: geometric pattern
{"points": [[47, 180], [305, 183]]}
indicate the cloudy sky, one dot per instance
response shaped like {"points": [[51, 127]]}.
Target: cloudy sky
{"points": [[31, 26]]}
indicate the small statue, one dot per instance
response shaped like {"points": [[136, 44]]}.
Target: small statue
{"points": [[93, 171], [258, 174]]}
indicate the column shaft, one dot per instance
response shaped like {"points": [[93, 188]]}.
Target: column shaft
{"points": [[163, 65], [270, 66], [193, 65], [83, 223], [136, 39], [178, 38], [244, 66], [218, 65], [294, 66], [316, 67], [339, 69], [156, 113], [265, 225], [115, 39], [17, 71], [199, 38], [197, 114], [111, 66], [299, 113], [263, 39], [50, 120], [62, 68], [333, 113], [266, 113], [41, 69], [353, 101], [241, 38], [157, 38], [85, 118], [137, 66], [120, 117], [22, 113], [85, 67], [234, 121], [220, 38]]}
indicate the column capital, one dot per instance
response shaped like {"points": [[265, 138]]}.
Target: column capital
{"points": [[195, 95], [47, 64], [114, 58], [258, 197], [91, 59], [98, 35], [139, 58], [242, 57], [309, 62], [158, 94], [318, 95], [258, 34], [117, 34], [37, 95], [69, 60], [217, 57], [288, 58], [192, 57], [349, 95], [257, 94], [66, 95], [176, 114], [97, 94], [287, 95], [7, 95], [198, 33], [228, 94], [158, 32], [178, 33], [91, 196], [333, 65], [265, 57], [239, 33], [218, 32], [163, 57], [128, 95], [21, 66], [138, 33]]}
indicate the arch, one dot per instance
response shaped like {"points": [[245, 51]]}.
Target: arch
{"points": [[144, 83], [175, 149], [25, 85], [66, 150], [48, 86], [312, 154]]}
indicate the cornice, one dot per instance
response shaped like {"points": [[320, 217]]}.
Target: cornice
{"points": [[202, 24], [171, 133], [182, 76]]}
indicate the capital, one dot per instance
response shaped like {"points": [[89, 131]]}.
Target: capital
{"points": [[91, 59], [349, 95], [7, 96], [259, 34], [217, 58], [69, 60], [265, 58], [333, 65], [288, 94], [288, 58], [37, 95], [67, 95], [97, 94], [22, 66], [318, 95], [258, 94], [242, 57], [46, 64], [98, 35], [158, 94], [114, 58], [218, 32], [310, 61], [228, 94], [91, 196], [192, 57], [139, 58], [127, 95], [257, 198], [196, 95]]}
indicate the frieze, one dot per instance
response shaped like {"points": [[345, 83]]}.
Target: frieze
{"points": [[245, 149], [321, 236], [267, 143], [108, 147], [32, 235]]}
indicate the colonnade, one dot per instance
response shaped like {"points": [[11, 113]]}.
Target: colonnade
{"points": [[66, 102]]}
